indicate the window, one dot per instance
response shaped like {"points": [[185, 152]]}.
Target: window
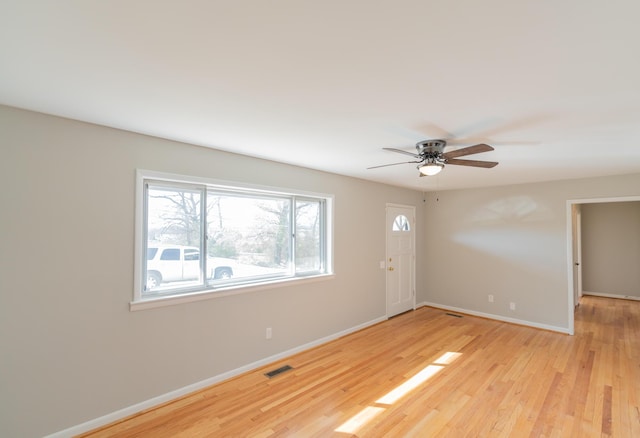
{"points": [[170, 254], [151, 253], [401, 223], [198, 236], [191, 254]]}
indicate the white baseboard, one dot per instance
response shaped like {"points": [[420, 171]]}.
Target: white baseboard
{"points": [[498, 317], [155, 401], [622, 297]]}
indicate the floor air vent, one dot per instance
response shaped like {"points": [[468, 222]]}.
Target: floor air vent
{"points": [[453, 314], [280, 370]]}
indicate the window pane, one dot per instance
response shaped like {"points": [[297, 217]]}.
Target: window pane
{"points": [[308, 236], [151, 253], [191, 254], [173, 238], [401, 223], [247, 237], [170, 254]]}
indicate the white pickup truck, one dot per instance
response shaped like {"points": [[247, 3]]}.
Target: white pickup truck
{"points": [[167, 263]]}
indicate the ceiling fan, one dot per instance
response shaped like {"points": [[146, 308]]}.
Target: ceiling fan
{"points": [[431, 158]]}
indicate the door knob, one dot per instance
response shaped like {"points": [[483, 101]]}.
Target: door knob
{"points": [[391, 268]]}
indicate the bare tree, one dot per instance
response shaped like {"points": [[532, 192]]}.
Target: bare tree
{"points": [[274, 235], [181, 215]]}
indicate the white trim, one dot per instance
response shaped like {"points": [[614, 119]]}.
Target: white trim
{"points": [[622, 297], [570, 286], [143, 174], [569, 231], [171, 300], [552, 328], [604, 200], [139, 302], [172, 395], [138, 237]]}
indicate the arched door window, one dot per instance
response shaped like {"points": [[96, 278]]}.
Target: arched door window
{"points": [[401, 223]]}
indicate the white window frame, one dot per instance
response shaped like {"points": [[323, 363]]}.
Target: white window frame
{"points": [[141, 302]]}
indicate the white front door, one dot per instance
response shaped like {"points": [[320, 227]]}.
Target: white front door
{"points": [[400, 262]]}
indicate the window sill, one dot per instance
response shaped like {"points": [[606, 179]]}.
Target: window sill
{"points": [[152, 303]]}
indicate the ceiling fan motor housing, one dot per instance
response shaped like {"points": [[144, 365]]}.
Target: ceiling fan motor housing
{"points": [[431, 150]]}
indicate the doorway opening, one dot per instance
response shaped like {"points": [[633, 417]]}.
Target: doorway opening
{"points": [[574, 249]]}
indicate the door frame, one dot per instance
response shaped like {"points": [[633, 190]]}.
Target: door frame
{"points": [[576, 235], [413, 255], [570, 245]]}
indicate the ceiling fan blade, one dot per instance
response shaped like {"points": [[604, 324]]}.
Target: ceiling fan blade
{"points": [[475, 149], [500, 127], [472, 163], [393, 164], [476, 139], [434, 131], [402, 152]]}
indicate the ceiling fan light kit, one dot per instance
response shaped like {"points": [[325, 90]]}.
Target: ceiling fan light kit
{"points": [[431, 157], [430, 169]]}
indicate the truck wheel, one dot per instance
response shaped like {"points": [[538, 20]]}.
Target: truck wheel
{"points": [[222, 273], [153, 280]]}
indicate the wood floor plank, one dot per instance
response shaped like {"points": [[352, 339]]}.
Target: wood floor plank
{"points": [[426, 373]]}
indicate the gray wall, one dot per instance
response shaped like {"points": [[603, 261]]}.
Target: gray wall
{"points": [[510, 242], [611, 248], [71, 351]]}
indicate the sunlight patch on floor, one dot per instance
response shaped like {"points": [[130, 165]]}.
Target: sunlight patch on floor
{"points": [[360, 419], [352, 425], [447, 358], [400, 391]]}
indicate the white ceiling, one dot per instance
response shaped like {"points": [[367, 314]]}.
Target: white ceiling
{"points": [[553, 85]]}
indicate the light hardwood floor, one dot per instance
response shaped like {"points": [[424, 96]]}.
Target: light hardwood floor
{"points": [[428, 374]]}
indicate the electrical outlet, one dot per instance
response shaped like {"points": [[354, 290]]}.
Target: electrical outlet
{"points": [[512, 306], [269, 333], [491, 298]]}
